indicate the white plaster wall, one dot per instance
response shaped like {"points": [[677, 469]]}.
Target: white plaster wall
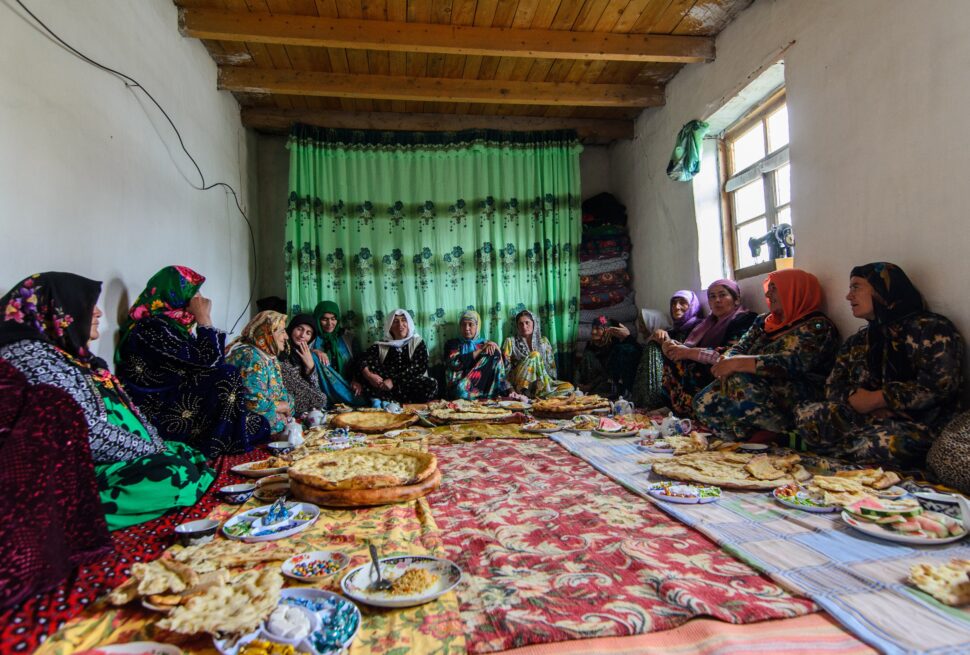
{"points": [[91, 177], [878, 92]]}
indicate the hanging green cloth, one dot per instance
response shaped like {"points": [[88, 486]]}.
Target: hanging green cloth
{"points": [[685, 160], [436, 223]]}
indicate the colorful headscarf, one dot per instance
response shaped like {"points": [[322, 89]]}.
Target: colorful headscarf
{"points": [[470, 345], [328, 340], [895, 297], [520, 347], [52, 307], [289, 353], [165, 296], [259, 332], [800, 295], [602, 322], [692, 316], [710, 332]]}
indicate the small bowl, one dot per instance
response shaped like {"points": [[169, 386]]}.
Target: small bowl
{"points": [[312, 617], [198, 532], [279, 447], [288, 568], [237, 494]]}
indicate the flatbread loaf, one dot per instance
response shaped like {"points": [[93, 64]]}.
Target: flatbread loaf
{"points": [[731, 470], [227, 554], [569, 405], [372, 422], [948, 583], [466, 411], [228, 609], [364, 468]]}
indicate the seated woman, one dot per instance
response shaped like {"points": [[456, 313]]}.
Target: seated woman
{"points": [[685, 310], [780, 363], [172, 362], [255, 353], [531, 359], [49, 321], [687, 365], [396, 370], [298, 366], [609, 364], [896, 381], [335, 350], [474, 368]]}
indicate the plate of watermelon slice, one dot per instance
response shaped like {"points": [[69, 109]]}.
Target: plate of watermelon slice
{"points": [[903, 521], [613, 429]]}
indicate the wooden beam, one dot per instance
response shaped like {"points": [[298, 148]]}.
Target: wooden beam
{"points": [[590, 130], [218, 25], [436, 89]]}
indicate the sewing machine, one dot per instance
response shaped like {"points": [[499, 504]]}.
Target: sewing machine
{"points": [[779, 239]]}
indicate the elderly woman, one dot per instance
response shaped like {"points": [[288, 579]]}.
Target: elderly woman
{"points": [[474, 368], [396, 369], [298, 366], [532, 360], [896, 381], [608, 366], [685, 310], [172, 362], [48, 322], [256, 354], [780, 363], [335, 350], [687, 365]]}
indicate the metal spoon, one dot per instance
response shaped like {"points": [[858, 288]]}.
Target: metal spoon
{"points": [[380, 584]]}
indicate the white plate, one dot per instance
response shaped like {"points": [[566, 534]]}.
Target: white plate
{"points": [[289, 566], [136, 648], [682, 500], [826, 509], [355, 584], [622, 434], [245, 470], [271, 491], [526, 428], [892, 493], [876, 530], [254, 516]]}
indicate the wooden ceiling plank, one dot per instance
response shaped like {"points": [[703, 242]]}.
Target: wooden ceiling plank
{"points": [[589, 15], [567, 14], [545, 13], [326, 8], [300, 83], [397, 10], [525, 11], [587, 128], [441, 11], [419, 11], [354, 33], [709, 17], [485, 13], [505, 12], [650, 12], [463, 12]]}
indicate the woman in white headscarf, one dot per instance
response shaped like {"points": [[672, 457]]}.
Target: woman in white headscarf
{"points": [[396, 369], [648, 391], [532, 360]]}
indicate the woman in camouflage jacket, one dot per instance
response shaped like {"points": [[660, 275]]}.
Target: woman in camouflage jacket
{"points": [[895, 382]]}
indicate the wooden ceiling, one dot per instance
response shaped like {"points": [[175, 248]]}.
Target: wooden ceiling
{"points": [[589, 65]]}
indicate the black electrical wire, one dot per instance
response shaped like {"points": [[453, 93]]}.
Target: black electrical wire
{"points": [[131, 82]]}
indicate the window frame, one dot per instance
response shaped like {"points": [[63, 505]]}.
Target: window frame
{"points": [[763, 169]]}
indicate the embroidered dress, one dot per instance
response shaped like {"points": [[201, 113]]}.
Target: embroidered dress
{"points": [[471, 374], [178, 376]]}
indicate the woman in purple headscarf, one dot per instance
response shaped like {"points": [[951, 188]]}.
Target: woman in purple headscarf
{"points": [[687, 364]]}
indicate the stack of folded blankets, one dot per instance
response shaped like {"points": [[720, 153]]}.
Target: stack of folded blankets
{"points": [[604, 255]]}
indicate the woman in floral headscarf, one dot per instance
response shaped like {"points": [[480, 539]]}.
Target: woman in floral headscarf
{"points": [[334, 351], [780, 362], [172, 361], [256, 354], [474, 368], [396, 369], [532, 360], [47, 323], [896, 381]]}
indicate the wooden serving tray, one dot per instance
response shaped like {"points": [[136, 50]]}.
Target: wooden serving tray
{"points": [[365, 497]]}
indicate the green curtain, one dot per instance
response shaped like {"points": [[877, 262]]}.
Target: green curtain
{"points": [[436, 223]]}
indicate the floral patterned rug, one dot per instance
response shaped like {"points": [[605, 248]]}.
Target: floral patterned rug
{"points": [[553, 550]]}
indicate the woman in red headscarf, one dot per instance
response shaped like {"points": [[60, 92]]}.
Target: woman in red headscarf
{"points": [[781, 362]]}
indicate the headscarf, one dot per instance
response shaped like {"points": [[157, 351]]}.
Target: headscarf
{"points": [[289, 353], [259, 332], [470, 345], [411, 341], [328, 340], [710, 332], [894, 298], [55, 308], [520, 347], [692, 316], [165, 296], [800, 295], [602, 322]]}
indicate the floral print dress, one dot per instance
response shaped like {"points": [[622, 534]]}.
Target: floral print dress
{"points": [[535, 374], [470, 376], [264, 383]]}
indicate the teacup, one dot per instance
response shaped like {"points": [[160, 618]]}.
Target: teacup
{"points": [[198, 532], [672, 425], [236, 494]]}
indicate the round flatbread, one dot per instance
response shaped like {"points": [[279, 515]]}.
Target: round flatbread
{"points": [[364, 468], [372, 422]]}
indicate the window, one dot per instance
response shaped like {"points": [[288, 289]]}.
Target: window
{"points": [[757, 185]]}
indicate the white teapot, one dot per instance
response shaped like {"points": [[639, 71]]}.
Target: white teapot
{"points": [[622, 406], [313, 418], [672, 426], [293, 433]]}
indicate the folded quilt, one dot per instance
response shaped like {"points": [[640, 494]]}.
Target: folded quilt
{"points": [[596, 266], [612, 279]]}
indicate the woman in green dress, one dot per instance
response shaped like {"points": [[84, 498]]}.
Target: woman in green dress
{"points": [[48, 321], [334, 352]]}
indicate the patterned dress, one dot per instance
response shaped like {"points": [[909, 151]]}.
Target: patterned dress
{"points": [[471, 378], [406, 369], [683, 379], [303, 387], [535, 374], [184, 385], [263, 381], [921, 406], [790, 370]]}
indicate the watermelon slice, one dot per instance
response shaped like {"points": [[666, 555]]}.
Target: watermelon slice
{"points": [[609, 425], [932, 527], [877, 507]]}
